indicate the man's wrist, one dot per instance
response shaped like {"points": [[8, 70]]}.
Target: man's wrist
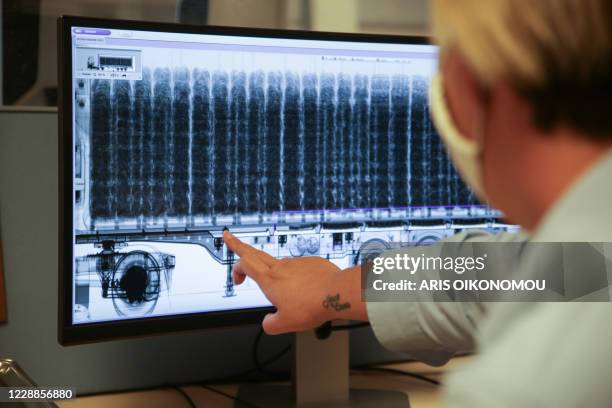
{"points": [[342, 299]]}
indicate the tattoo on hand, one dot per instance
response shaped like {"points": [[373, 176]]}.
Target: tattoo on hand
{"points": [[333, 302]]}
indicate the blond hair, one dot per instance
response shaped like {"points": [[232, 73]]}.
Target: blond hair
{"points": [[547, 49]]}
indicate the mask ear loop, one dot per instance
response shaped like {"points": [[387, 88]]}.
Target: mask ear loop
{"points": [[480, 121], [479, 124]]}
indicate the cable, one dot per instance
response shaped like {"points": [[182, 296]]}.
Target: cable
{"points": [[349, 326], [325, 330], [226, 395], [185, 395], [400, 372], [261, 366], [322, 332]]}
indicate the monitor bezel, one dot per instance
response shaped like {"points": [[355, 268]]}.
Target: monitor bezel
{"points": [[70, 334]]}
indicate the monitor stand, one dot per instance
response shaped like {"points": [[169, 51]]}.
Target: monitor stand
{"points": [[320, 378]]}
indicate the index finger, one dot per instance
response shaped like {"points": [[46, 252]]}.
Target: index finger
{"points": [[253, 267], [241, 249]]}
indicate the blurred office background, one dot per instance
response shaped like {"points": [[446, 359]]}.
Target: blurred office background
{"points": [[28, 58]]}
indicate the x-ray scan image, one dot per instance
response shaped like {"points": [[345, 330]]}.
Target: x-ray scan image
{"points": [[299, 151]]}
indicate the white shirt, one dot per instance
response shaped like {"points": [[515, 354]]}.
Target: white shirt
{"points": [[528, 354]]}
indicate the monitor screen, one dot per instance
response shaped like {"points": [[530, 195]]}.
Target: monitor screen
{"points": [[302, 144]]}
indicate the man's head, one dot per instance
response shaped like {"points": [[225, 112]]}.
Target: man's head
{"points": [[532, 82]]}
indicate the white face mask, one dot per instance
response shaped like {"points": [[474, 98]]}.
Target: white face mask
{"points": [[463, 151]]}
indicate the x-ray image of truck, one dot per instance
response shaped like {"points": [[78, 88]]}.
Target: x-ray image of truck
{"points": [[134, 277]]}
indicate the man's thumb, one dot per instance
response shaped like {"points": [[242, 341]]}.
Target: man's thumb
{"points": [[273, 324]]}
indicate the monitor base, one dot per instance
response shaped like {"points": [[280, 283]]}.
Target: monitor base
{"points": [[271, 395]]}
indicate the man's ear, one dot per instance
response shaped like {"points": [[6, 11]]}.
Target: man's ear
{"points": [[463, 92]]}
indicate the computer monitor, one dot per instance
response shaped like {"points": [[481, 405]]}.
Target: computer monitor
{"points": [[301, 143]]}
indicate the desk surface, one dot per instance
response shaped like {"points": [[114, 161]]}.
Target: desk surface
{"points": [[421, 393]]}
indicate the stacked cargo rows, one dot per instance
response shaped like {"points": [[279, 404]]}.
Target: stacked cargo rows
{"points": [[191, 143]]}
